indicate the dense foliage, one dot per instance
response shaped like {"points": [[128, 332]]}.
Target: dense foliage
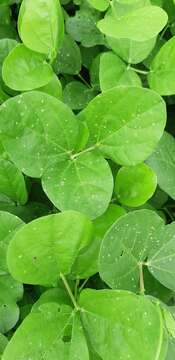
{"points": [[87, 180]]}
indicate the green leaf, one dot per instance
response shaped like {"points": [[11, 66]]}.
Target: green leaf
{"points": [[78, 346], [132, 52], [135, 185], [100, 5], [86, 263], [24, 69], [162, 162], [9, 224], [30, 342], [82, 27], [125, 123], [12, 183], [6, 45], [114, 72], [123, 7], [125, 325], [77, 184], [77, 95], [68, 60], [32, 126], [128, 243], [162, 75], [10, 292], [46, 24], [139, 25], [54, 295], [62, 236], [161, 260], [3, 343], [53, 88]]}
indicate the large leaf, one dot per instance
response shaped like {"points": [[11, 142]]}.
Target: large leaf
{"points": [[45, 21], [30, 342], [125, 325], [37, 128], [84, 183], [163, 163], [138, 25], [125, 123], [48, 246], [127, 244], [135, 185], [162, 74], [12, 183]]}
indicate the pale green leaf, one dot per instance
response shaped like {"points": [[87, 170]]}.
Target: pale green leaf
{"points": [[24, 69]]}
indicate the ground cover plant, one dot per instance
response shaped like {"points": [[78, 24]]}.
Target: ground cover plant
{"points": [[87, 180]]}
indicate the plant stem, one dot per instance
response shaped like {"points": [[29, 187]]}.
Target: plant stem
{"points": [[143, 72], [69, 291], [83, 152], [83, 285], [84, 81], [142, 285], [77, 282]]}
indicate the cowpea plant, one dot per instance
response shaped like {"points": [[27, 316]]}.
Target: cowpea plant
{"points": [[87, 180]]}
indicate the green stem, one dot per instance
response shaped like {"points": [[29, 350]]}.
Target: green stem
{"points": [[83, 285], [143, 72], [169, 213], [84, 81], [142, 285], [69, 291], [74, 156], [77, 282]]}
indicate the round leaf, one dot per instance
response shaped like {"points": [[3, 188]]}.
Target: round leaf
{"points": [[46, 24], [36, 129], [125, 325], [84, 184], [45, 247], [24, 69], [125, 123], [138, 25], [135, 185], [126, 244]]}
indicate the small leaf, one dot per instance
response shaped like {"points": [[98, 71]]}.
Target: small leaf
{"points": [[68, 60], [12, 183], [77, 95], [135, 185], [114, 72], [24, 69], [62, 236]]}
